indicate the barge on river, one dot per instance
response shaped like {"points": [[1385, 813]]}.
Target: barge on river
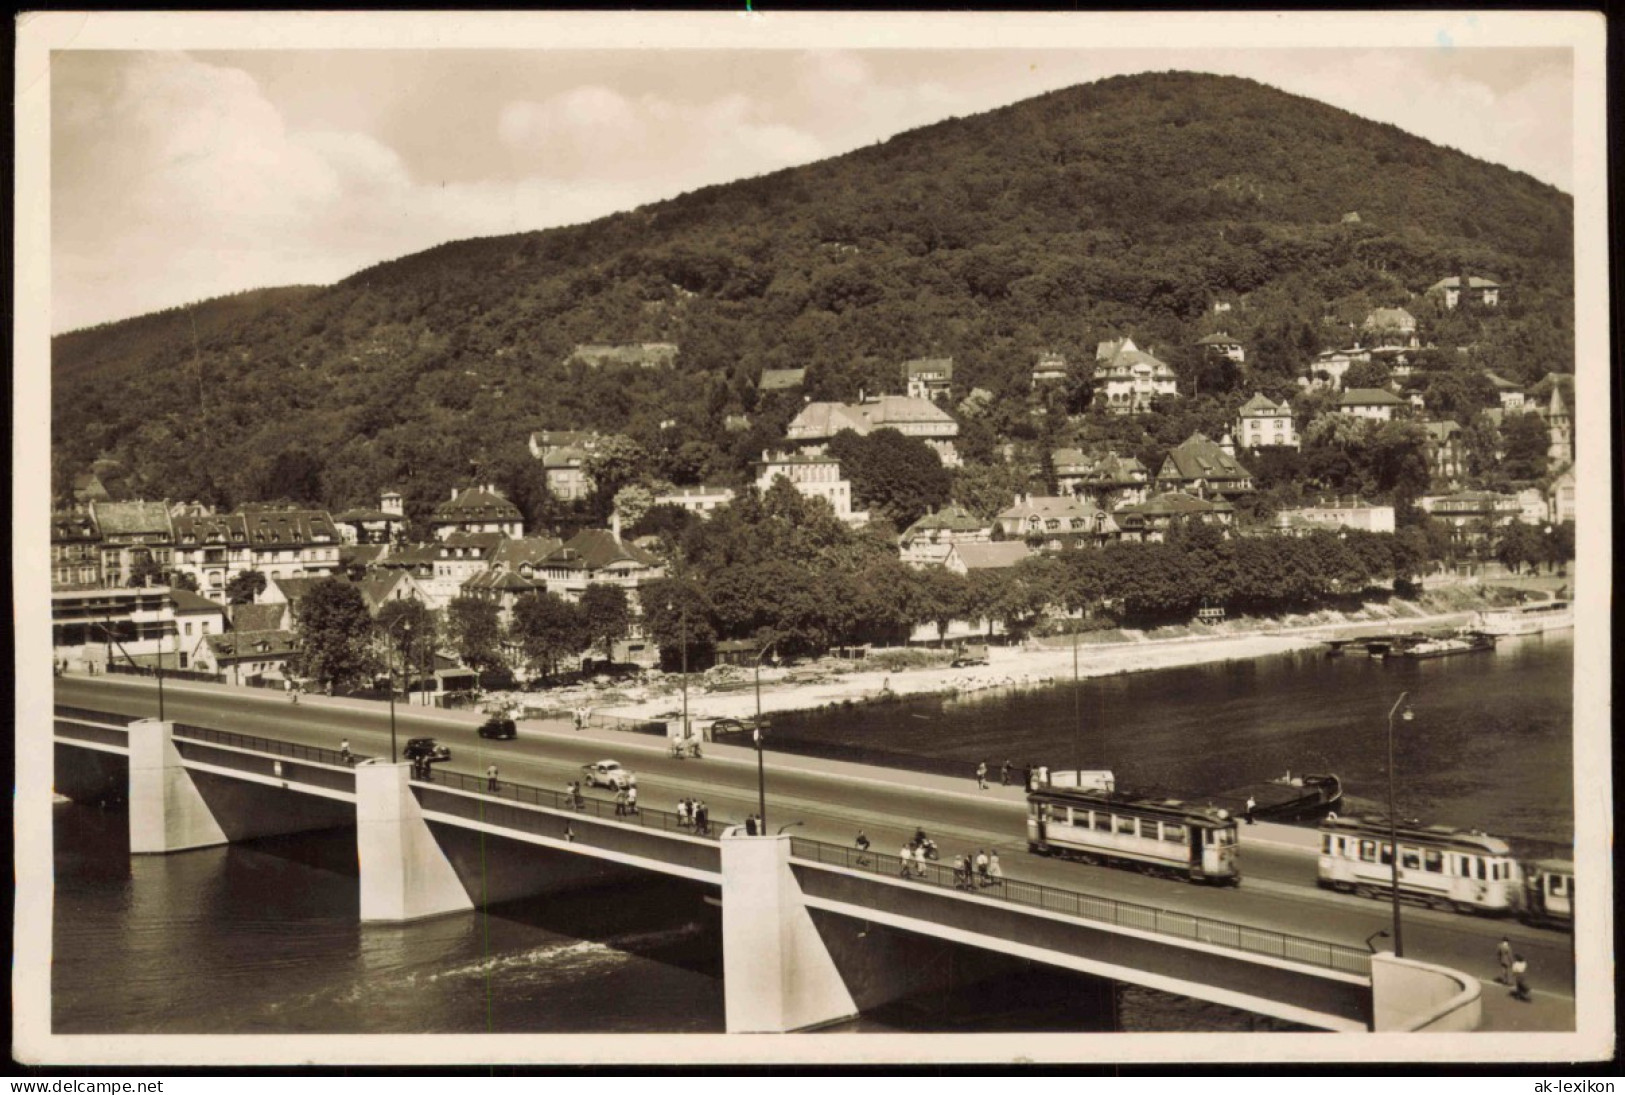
{"points": [[1287, 798]]}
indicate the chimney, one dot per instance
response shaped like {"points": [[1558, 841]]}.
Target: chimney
{"points": [[615, 524]]}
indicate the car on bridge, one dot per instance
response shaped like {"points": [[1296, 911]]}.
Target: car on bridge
{"points": [[426, 751], [608, 773], [499, 729]]}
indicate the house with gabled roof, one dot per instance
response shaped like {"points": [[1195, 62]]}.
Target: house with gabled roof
{"points": [[246, 657], [384, 525], [926, 541], [1377, 404], [1204, 468], [277, 541], [1130, 378], [1220, 344], [271, 616], [598, 556], [1262, 423], [130, 533], [816, 423], [1446, 452], [76, 554], [1390, 327], [1509, 393], [929, 377], [1002, 555], [1106, 480], [1056, 522], [1480, 290], [477, 509], [1150, 520], [1051, 369], [380, 587]]}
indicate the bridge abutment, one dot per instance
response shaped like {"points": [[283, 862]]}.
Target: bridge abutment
{"points": [[167, 812], [778, 975], [404, 873]]}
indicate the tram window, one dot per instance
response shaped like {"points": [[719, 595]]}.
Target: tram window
{"points": [[1175, 833], [1386, 856], [1368, 850], [1433, 860], [1480, 864], [1326, 844], [1103, 821], [1223, 837], [1127, 825], [1410, 858]]}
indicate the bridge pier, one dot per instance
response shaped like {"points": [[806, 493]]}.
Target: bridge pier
{"points": [[778, 976], [167, 812], [404, 873]]}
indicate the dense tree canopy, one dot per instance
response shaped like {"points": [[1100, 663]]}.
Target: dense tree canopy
{"points": [[333, 635]]}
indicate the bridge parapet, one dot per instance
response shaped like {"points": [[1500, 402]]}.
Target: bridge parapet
{"points": [[1145, 918], [87, 730]]}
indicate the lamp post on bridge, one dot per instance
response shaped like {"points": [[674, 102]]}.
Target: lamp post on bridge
{"points": [[112, 639], [1393, 820], [405, 623], [756, 734]]}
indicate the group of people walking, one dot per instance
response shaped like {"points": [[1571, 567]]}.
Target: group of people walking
{"points": [[694, 814], [981, 871], [626, 800], [1005, 771], [1514, 970]]}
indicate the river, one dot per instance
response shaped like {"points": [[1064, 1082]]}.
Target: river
{"points": [[264, 937]]}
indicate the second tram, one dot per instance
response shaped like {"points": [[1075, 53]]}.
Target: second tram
{"points": [[1165, 836], [1460, 869]]}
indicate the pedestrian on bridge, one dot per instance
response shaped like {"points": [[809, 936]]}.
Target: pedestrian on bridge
{"points": [[344, 752], [981, 776], [919, 859], [906, 854], [1520, 986], [702, 818], [620, 802], [491, 778], [982, 868], [632, 799], [1251, 804], [1503, 955], [995, 873], [1004, 775], [682, 813]]}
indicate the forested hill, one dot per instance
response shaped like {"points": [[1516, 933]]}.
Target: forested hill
{"points": [[1126, 206]]}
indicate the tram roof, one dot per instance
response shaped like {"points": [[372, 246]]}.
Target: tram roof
{"points": [[1436, 834], [1163, 807]]}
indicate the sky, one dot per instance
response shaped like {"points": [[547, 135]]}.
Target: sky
{"points": [[179, 176]]}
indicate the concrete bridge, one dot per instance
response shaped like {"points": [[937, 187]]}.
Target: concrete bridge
{"points": [[813, 932]]}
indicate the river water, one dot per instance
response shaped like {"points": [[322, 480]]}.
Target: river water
{"points": [[264, 937]]}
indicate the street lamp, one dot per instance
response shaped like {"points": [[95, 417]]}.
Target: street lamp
{"points": [[111, 639], [756, 733], [405, 623], [1393, 820]]}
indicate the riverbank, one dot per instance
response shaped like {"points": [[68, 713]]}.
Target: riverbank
{"points": [[730, 694]]}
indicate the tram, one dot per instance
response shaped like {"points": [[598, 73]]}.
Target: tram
{"points": [[1158, 836], [1548, 894], [1460, 869]]}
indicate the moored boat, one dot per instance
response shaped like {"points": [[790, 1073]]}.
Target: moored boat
{"points": [[1467, 642], [1529, 619], [1287, 798]]}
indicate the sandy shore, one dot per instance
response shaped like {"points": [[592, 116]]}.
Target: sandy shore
{"points": [[1008, 667]]}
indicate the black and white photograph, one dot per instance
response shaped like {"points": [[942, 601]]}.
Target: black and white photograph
{"points": [[730, 538]]}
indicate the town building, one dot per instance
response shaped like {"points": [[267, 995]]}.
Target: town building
{"points": [[380, 587], [384, 525], [701, 500], [1446, 453], [246, 657], [1204, 468], [502, 588], [1511, 395], [926, 541], [929, 378], [132, 534], [781, 380], [265, 617], [599, 557], [1533, 507], [1472, 516], [1055, 522], [96, 626], [816, 423], [1390, 327], [1129, 378], [1220, 344], [76, 552], [1051, 369], [966, 557], [1479, 290], [1560, 498], [1376, 404], [1329, 366], [813, 476], [195, 617], [1150, 520], [1105, 481], [477, 510], [1352, 514], [279, 543], [1262, 423], [461, 555]]}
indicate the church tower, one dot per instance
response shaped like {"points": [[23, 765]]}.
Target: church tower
{"points": [[1560, 432]]}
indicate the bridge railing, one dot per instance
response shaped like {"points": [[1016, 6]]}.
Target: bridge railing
{"points": [[267, 745], [84, 714], [663, 820], [1201, 929]]}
